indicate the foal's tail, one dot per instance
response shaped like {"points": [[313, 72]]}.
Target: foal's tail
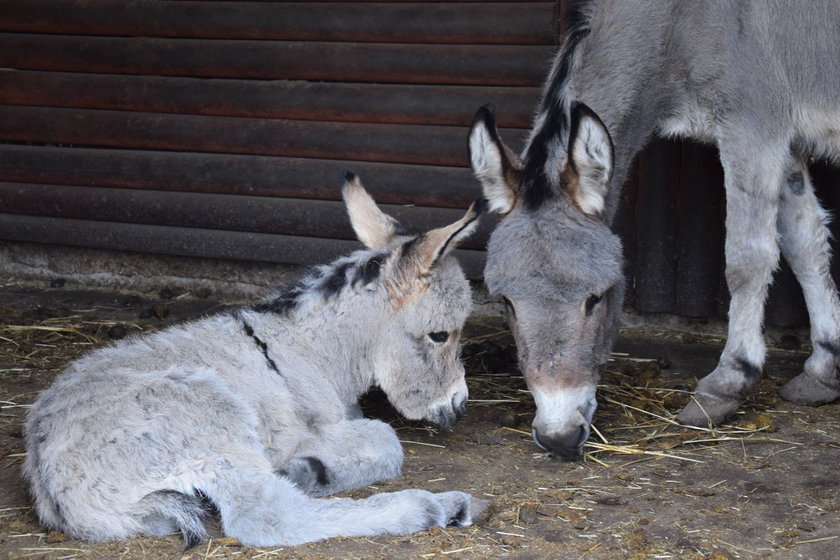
{"points": [[166, 511]]}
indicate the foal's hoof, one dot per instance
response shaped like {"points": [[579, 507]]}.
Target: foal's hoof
{"points": [[807, 389], [707, 411]]}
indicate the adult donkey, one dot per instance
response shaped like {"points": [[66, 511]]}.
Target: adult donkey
{"points": [[758, 79]]}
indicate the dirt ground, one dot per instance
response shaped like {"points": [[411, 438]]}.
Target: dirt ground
{"points": [[764, 486]]}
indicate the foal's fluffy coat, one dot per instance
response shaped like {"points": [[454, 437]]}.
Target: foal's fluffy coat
{"points": [[254, 411]]}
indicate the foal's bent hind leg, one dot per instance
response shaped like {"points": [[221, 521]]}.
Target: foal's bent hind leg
{"points": [[345, 455], [804, 240], [752, 254]]}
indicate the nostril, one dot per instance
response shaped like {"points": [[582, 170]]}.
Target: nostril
{"points": [[459, 405], [582, 435]]}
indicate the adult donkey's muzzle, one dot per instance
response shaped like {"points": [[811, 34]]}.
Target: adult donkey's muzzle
{"points": [[563, 418], [568, 445]]}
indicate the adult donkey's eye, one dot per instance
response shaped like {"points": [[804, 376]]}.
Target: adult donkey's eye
{"points": [[439, 337], [591, 302]]}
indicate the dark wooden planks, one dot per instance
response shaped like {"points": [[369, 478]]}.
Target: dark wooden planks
{"points": [[656, 226], [284, 99], [423, 185], [505, 23], [435, 145], [700, 208], [279, 60], [191, 242], [288, 216]]}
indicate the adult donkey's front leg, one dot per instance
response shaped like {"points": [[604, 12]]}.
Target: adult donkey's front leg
{"points": [[752, 254], [804, 238]]}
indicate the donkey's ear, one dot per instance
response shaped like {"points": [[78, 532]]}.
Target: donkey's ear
{"points": [[373, 227], [495, 165], [437, 243], [590, 160]]}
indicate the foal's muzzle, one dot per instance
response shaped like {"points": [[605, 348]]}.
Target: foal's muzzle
{"points": [[448, 415]]}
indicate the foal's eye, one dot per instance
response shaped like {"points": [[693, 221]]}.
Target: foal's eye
{"points": [[591, 302], [439, 337]]}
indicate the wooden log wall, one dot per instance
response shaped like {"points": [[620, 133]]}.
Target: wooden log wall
{"points": [[221, 128]]}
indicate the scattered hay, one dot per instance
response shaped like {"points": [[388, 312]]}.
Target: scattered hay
{"points": [[637, 405]]}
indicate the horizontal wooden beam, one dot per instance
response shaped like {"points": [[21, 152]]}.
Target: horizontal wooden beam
{"points": [[430, 145], [192, 242], [423, 185], [507, 23], [278, 99], [279, 60], [288, 216]]}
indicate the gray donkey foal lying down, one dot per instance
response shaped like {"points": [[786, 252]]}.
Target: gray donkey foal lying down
{"points": [[255, 409]]}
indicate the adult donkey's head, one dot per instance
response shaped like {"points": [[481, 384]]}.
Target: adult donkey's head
{"points": [[555, 262]]}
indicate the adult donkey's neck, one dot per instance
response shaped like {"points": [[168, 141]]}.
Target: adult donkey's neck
{"points": [[614, 60]]}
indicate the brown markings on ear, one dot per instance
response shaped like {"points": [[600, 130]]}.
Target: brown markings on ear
{"points": [[411, 274]]}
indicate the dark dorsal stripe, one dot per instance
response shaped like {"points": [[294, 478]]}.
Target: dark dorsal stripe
{"points": [[249, 330]]}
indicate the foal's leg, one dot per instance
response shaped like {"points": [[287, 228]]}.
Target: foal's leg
{"points": [[261, 509], [752, 254], [804, 241], [344, 456]]}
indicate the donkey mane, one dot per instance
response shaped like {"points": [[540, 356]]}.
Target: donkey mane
{"points": [[357, 269], [555, 109]]}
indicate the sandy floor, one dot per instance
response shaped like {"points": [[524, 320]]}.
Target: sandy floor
{"points": [[765, 486]]}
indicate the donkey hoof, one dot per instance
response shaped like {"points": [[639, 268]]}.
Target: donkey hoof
{"points": [[707, 411], [309, 474], [807, 389]]}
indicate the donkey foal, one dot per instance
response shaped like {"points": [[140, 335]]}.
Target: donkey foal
{"points": [[254, 410]]}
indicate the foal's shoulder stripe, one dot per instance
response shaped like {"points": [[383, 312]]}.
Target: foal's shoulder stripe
{"points": [[249, 330]]}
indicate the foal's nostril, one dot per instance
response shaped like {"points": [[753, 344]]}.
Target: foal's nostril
{"points": [[459, 405]]}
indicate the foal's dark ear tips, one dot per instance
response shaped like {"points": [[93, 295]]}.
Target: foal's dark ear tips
{"points": [[349, 175]]}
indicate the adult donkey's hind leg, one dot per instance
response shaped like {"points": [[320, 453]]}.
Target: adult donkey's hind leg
{"points": [[343, 456], [752, 254], [804, 240]]}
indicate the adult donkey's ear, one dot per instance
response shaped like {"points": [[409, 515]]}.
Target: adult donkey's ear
{"points": [[373, 227], [495, 165], [590, 160], [437, 243]]}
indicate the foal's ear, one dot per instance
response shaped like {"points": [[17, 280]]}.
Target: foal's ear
{"points": [[373, 227], [437, 243], [590, 160], [495, 165]]}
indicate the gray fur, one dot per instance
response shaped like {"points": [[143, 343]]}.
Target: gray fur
{"points": [[255, 410], [756, 78]]}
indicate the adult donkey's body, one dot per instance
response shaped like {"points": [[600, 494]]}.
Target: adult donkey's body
{"points": [[758, 79], [254, 410]]}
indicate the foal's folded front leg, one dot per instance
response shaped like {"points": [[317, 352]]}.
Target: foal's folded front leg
{"points": [[343, 456]]}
